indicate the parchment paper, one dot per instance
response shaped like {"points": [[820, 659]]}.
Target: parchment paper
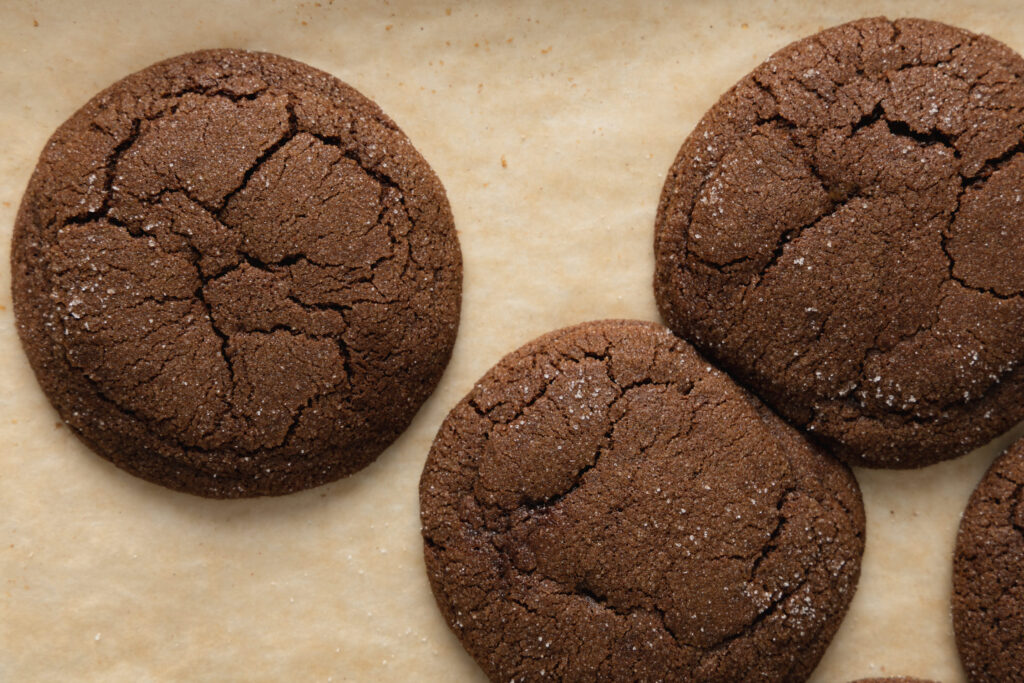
{"points": [[552, 127]]}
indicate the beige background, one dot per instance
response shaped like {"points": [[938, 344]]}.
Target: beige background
{"points": [[552, 127]]}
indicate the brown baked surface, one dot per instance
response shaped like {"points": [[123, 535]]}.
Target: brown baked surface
{"points": [[604, 505], [234, 276], [988, 574], [841, 232]]}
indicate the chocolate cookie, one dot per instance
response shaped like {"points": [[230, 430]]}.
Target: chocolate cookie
{"points": [[988, 574], [234, 276], [604, 505], [843, 233]]}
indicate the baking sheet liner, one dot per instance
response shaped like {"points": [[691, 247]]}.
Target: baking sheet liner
{"points": [[552, 127]]}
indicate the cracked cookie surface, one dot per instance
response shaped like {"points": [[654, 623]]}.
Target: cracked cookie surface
{"points": [[234, 276], [988, 581], [844, 233], [604, 505]]}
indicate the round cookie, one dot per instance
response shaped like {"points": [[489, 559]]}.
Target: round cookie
{"points": [[843, 233], [604, 505], [234, 276], [893, 679], [988, 574]]}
